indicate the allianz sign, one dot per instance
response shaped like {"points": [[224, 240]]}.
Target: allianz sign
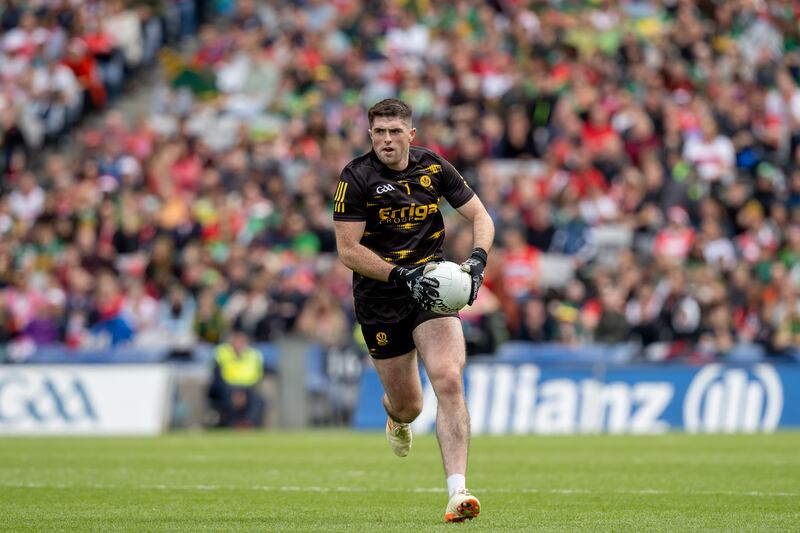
{"points": [[527, 398]]}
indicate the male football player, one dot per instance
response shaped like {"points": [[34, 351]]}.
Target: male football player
{"points": [[388, 227]]}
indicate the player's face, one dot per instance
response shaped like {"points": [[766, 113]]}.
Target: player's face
{"points": [[391, 137]]}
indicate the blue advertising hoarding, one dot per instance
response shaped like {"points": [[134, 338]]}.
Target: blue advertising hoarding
{"points": [[549, 398]]}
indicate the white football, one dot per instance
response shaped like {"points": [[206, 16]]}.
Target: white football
{"points": [[454, 286]]}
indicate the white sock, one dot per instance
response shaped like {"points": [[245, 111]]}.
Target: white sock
{"points": [[455, 482]]}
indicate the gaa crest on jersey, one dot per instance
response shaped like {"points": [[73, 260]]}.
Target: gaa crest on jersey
{"points": [[386, 187]]}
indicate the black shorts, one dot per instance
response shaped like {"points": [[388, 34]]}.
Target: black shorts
{"points": [[394, 339]]}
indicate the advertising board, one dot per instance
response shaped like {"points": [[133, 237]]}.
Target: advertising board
{"points": [[84, 399], [536, 398]]}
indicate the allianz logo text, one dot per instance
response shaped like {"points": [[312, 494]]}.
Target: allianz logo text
{"points": [[514, 399], [43, 400], [727, 400]]}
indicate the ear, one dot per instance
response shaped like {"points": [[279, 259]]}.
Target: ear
{"points": [[412, 133]]}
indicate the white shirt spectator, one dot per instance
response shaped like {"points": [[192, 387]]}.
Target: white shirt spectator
{"points": [[721, 253], [714, 159], [761, 35], [319, 14], [776, 105], [141, 310], [126, 28], [231, 76], [411, 40], [27, 203], [12, 65], [24, 42], [675, 241], [598, 208], [58, 78]]}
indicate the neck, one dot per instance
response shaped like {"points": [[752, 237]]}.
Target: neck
{"points": [[402, 165]]}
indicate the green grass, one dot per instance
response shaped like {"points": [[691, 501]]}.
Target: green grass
{"points": [[341, 481]]}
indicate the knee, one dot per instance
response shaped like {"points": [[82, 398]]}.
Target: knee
{"points": [[448, 384], [408, 412]]}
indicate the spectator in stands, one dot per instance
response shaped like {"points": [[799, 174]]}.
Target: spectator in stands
{"points": [[712, 154], [238, 369], [110, 325], [209, 323], [643, 313], [612, 326], [682, 311], [519, 263], [176, 317], [323, 321], [537, 324], [252, 310], [124, 24], [84, 65], [27, 200], [140, 309], [673, 243]]}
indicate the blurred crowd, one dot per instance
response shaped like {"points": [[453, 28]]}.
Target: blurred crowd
{"points": [[648, 149], [62, 59]]}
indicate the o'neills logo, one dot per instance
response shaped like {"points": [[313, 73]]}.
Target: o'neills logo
{"points": [[411, 213]]}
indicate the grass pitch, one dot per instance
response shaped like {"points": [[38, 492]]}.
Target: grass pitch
{"points": [[342, 481]]}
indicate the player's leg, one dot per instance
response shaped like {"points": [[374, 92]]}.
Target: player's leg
{"points": [[441, 345], [402, 396], [395, 359]]}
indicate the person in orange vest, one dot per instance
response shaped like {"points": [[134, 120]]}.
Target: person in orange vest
{"points": [[238, 369]]}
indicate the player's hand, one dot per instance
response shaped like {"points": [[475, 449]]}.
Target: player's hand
{"points": [[422, 289], [474, 266]]}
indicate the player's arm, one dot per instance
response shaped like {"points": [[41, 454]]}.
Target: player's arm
{"points": [[364, 261], [355, 255], [482, 225], [349, 222], [459, 194], [482, 239]]}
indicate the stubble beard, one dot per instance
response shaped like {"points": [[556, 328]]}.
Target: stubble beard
{"points": [[395, 158]]}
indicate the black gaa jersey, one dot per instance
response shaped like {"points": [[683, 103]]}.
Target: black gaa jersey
{"points": [[401, 211]]}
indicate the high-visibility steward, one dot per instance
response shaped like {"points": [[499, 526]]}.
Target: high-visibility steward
{"points": [[243, 370]]}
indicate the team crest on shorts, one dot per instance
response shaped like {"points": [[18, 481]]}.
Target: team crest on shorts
{"points": [[425, 181], [382, 339]]}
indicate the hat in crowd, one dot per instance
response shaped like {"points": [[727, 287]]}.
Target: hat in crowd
{"points": [[753, 208], [566, 313]]}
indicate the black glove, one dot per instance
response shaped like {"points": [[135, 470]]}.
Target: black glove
{"points": [[422, 289], [474, 267]]}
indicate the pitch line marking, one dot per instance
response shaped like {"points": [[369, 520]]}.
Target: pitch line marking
{"points": [[304, 488]]}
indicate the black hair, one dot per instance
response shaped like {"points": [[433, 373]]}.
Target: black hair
{"points": [[390, 107]]}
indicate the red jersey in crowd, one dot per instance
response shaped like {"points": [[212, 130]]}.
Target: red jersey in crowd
{"points": [[520, 270]]}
